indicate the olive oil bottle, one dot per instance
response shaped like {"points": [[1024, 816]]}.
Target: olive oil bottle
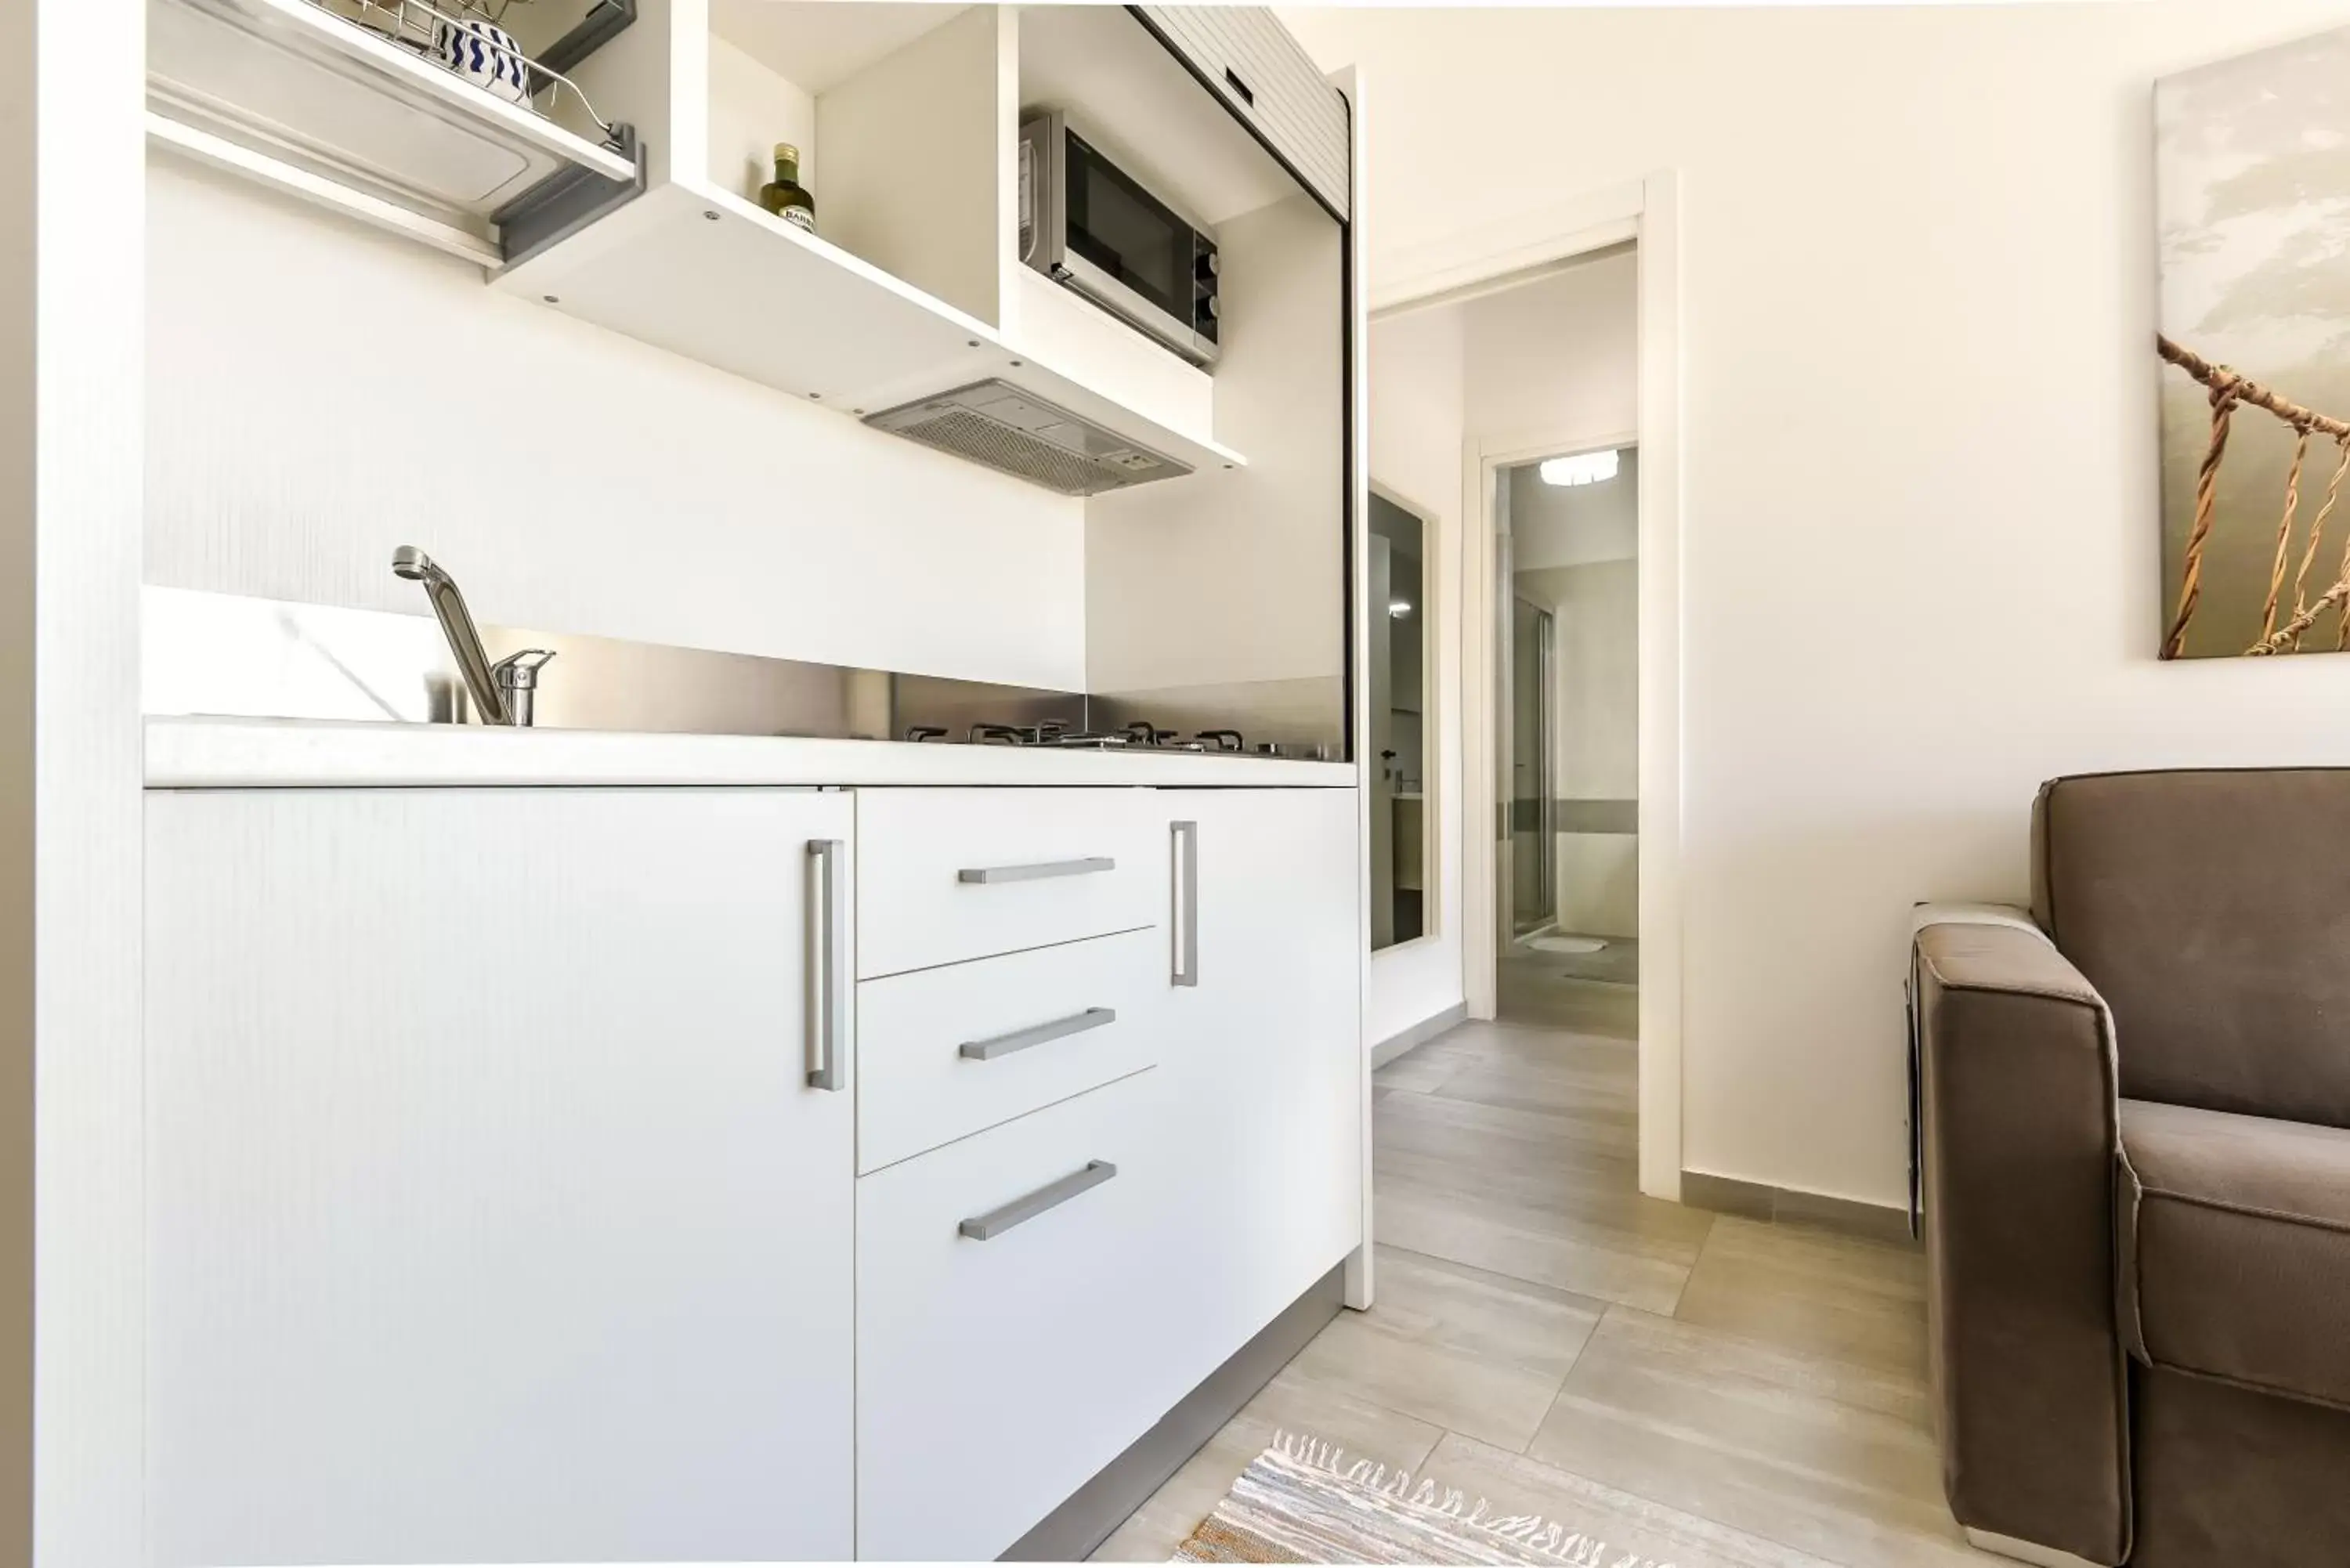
{"points": [[784, 196]]}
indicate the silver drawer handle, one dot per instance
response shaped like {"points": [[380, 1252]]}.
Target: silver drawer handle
{"points": [[1022, 1039], [827, 962], [1038, 872], [1185, 926], [1020, 1210]]}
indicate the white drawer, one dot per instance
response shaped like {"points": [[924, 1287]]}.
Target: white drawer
{"points": [[944, 1053], [945, 875], [995, 1377]]}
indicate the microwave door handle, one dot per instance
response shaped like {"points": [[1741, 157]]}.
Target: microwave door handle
{"points": [[1032, 227], [1044, 206]]}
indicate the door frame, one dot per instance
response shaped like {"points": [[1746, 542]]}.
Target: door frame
{"points": [[1486, 260]]}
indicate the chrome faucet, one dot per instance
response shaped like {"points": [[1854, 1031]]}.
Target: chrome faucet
{"points": [[504, 692]]}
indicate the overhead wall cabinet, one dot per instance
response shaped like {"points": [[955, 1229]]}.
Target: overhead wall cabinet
{"points": [[907, 118]]}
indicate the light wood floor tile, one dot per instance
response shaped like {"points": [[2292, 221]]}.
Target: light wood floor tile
{"points": [[1813, 1291], [1531, 1247], [1529, 993], [1472, 1351], [1424, 1068], [1822, 1456], [1629, 1523], [1530, 1194], [1534, 1152]]}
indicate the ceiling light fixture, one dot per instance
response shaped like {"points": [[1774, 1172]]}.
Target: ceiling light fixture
{"points": [[1584, 468]]}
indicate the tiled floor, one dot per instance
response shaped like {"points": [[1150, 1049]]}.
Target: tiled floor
{"points": [[1705, 1390]]}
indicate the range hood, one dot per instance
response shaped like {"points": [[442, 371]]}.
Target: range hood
{"points": [[1011, 429]]}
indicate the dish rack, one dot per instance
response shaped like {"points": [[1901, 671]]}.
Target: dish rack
{"points": [[417, 25], [371, 108]]}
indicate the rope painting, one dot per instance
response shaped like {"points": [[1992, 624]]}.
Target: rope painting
{"points": [[2283, 630]]}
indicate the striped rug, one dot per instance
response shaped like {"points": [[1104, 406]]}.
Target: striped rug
{"points": [[1303, 1501]]}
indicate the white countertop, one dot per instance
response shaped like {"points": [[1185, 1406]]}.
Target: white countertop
{"points": [[262, 754]]}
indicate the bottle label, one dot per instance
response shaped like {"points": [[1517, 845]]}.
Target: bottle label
{"points": [[800, 216]]}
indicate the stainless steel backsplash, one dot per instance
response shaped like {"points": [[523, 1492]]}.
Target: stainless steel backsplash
{"points": [[224, 655]]}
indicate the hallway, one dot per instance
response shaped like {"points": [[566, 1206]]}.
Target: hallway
{"points": [[1706, 1390]]}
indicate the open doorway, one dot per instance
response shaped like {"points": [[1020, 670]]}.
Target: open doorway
{"points": [[1489, 359], [1566, 737]]}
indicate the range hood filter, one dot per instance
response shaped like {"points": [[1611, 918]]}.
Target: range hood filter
{"points": [[1006, 428]]}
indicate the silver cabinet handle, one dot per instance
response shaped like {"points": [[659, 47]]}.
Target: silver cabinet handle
{"points": [[1020, 1210], [827, 991], [1022, 1039], [1185, 923], [1037, 872]]}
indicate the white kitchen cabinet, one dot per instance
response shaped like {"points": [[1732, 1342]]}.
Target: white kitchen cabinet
{"points": [[1014, 1317], [1263, 1057], [493, 1216]]}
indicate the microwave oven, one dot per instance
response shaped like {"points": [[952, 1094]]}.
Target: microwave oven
{"points": [[1094, 229]]}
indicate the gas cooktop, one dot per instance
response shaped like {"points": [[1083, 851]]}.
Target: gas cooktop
{"points": [[1140, 735]]}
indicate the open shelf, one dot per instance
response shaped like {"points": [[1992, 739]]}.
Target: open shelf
{"points": [[289, 94], [702, 273], [818, 44]]}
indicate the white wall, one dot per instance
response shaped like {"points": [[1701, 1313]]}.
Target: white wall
{"points": [[1415, 368], [1921, 526], [1556, 358], [1576, 525], [320, 393]]}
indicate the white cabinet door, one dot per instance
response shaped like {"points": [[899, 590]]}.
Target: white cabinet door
{"points": [[494, 1217], [1264, 1052]]}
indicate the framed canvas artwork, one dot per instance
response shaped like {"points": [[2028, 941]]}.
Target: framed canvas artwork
{"points": [[2252, 196]]}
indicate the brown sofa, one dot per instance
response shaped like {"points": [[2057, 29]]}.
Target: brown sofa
{"points": [[2135, 1178]]}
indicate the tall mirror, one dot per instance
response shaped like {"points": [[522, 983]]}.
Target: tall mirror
{"points": [[1400, 658]]}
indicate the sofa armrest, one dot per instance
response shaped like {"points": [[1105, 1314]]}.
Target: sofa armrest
{"points": [[2020, 1113]]}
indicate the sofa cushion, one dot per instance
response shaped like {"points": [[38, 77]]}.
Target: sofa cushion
{"points": [[2235, 1235], [2201, 906]]}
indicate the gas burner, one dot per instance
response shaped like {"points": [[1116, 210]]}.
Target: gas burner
{"points": [[1129, 738], [1139, 735], [1045, 734]]}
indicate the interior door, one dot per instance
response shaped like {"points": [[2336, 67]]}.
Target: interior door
{"points": [[494, 1216]]}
